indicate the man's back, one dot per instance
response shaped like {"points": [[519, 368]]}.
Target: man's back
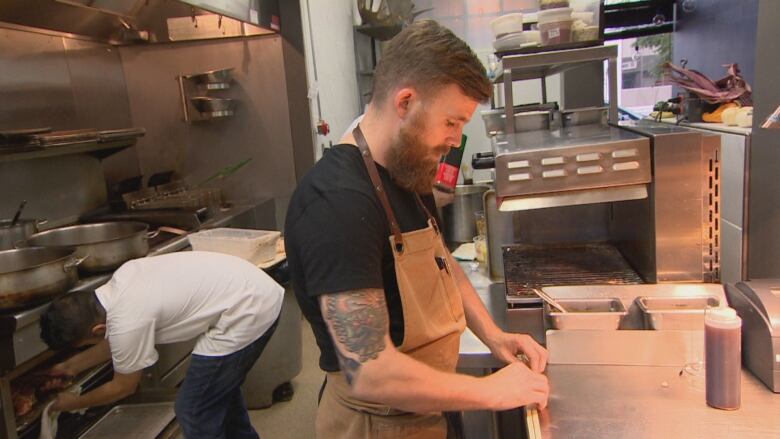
{"points": [[165, 299]]}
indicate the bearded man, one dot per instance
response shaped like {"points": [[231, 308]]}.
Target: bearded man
{"points": [[385, 299]]}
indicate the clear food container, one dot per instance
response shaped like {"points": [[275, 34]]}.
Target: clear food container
{"points": [[555, 26], [255, 246]]}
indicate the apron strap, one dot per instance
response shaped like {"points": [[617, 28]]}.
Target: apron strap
{"points": [[431, 218], [373, 173]]}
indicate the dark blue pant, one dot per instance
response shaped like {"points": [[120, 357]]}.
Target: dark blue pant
{"points": [[209, 404]]}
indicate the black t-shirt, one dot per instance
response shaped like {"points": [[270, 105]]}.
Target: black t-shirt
{"points": [[337, 239]]}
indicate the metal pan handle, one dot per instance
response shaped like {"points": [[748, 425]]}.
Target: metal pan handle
{"points": [[159, 230], [173, 230], [73, 263]]}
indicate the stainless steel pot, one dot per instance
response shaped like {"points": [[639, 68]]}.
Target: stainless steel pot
{"points": [[107, 245], [459, 220], [11, 234], [205, 104], [35, 274]]}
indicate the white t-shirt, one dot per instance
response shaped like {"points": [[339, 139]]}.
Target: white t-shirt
{"points": [[225, 301]]}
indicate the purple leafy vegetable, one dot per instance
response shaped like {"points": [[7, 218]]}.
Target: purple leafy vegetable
{"points": [[732, 87]]}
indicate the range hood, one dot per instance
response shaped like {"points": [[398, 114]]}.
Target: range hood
{"points": [[122, 8], [144, 21]]}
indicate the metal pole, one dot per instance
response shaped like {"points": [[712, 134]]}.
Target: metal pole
{"points": [[509, 106], [613, 91]]}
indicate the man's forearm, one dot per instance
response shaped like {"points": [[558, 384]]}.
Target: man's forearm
{"points": [[93, 356], [399, 381], [121, 386], [477, 317], [105, 394]]}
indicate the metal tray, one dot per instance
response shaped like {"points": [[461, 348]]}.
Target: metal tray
{"points": [[133, 421], [495, 121], [675, 312], [588, 314], [584, 116]]}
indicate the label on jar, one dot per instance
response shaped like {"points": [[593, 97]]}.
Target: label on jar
{"points": [[553, 33]]}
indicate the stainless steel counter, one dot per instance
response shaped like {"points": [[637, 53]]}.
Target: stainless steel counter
{"points": [[595, 401], [473, 353], [650, 402]]}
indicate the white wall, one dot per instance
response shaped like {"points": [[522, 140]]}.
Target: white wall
{"points": [[330, 66]]}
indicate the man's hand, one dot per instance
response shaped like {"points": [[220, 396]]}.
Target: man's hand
{"points": [[506, 347], [515, 386], [60, 370], [65, 402]]}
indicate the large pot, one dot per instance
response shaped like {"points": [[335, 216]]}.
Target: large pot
{"points": [[106, 246], [11, 234], [35, 274], [459, 221]]}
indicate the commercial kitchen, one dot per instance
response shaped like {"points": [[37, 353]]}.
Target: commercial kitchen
{"points": [[613, 195]]}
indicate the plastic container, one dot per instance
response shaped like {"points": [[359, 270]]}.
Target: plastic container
{"points": [[723, 358], [588, 33], [481, 223], [585, 17], [255, 246], [507, 24], [509, 42], [480, 248], [553, 15], [555, 26], [553, 4], [532, 36]]}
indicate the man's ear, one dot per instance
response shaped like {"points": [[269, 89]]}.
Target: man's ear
{"points": [[403, 100], [99, 330]]}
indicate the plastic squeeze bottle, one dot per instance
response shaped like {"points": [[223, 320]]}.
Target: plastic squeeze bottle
{"points": [[723, 356]]}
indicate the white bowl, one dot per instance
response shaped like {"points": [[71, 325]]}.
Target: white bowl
{"points": [[507, 24]]}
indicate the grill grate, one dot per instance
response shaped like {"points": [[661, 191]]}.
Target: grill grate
{"points": [[534, 266]]}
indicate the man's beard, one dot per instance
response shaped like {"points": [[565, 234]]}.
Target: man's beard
{"points": [[410, 162]]}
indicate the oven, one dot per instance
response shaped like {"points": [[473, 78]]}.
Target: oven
{"points": [[601, 205]]}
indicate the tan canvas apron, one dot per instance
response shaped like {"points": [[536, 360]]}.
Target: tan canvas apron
{"points": [[433, 323]]}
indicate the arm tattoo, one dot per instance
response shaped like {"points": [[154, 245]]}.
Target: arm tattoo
{"points": [[358, 322]]}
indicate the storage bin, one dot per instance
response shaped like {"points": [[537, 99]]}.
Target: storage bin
{"points": [[253, 245]]}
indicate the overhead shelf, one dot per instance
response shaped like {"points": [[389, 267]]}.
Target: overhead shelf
{"points": [[544, 64], [95, 148], [540, 65]]}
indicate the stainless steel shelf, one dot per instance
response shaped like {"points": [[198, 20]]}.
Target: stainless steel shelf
{"points": [[99, 149], [544, 64], [541, 65]]}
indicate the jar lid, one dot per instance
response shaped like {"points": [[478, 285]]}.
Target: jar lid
{"points": [[723, 316]]}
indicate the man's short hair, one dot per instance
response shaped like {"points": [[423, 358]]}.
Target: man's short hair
{"points": [[428, 56], [70, 318]]}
